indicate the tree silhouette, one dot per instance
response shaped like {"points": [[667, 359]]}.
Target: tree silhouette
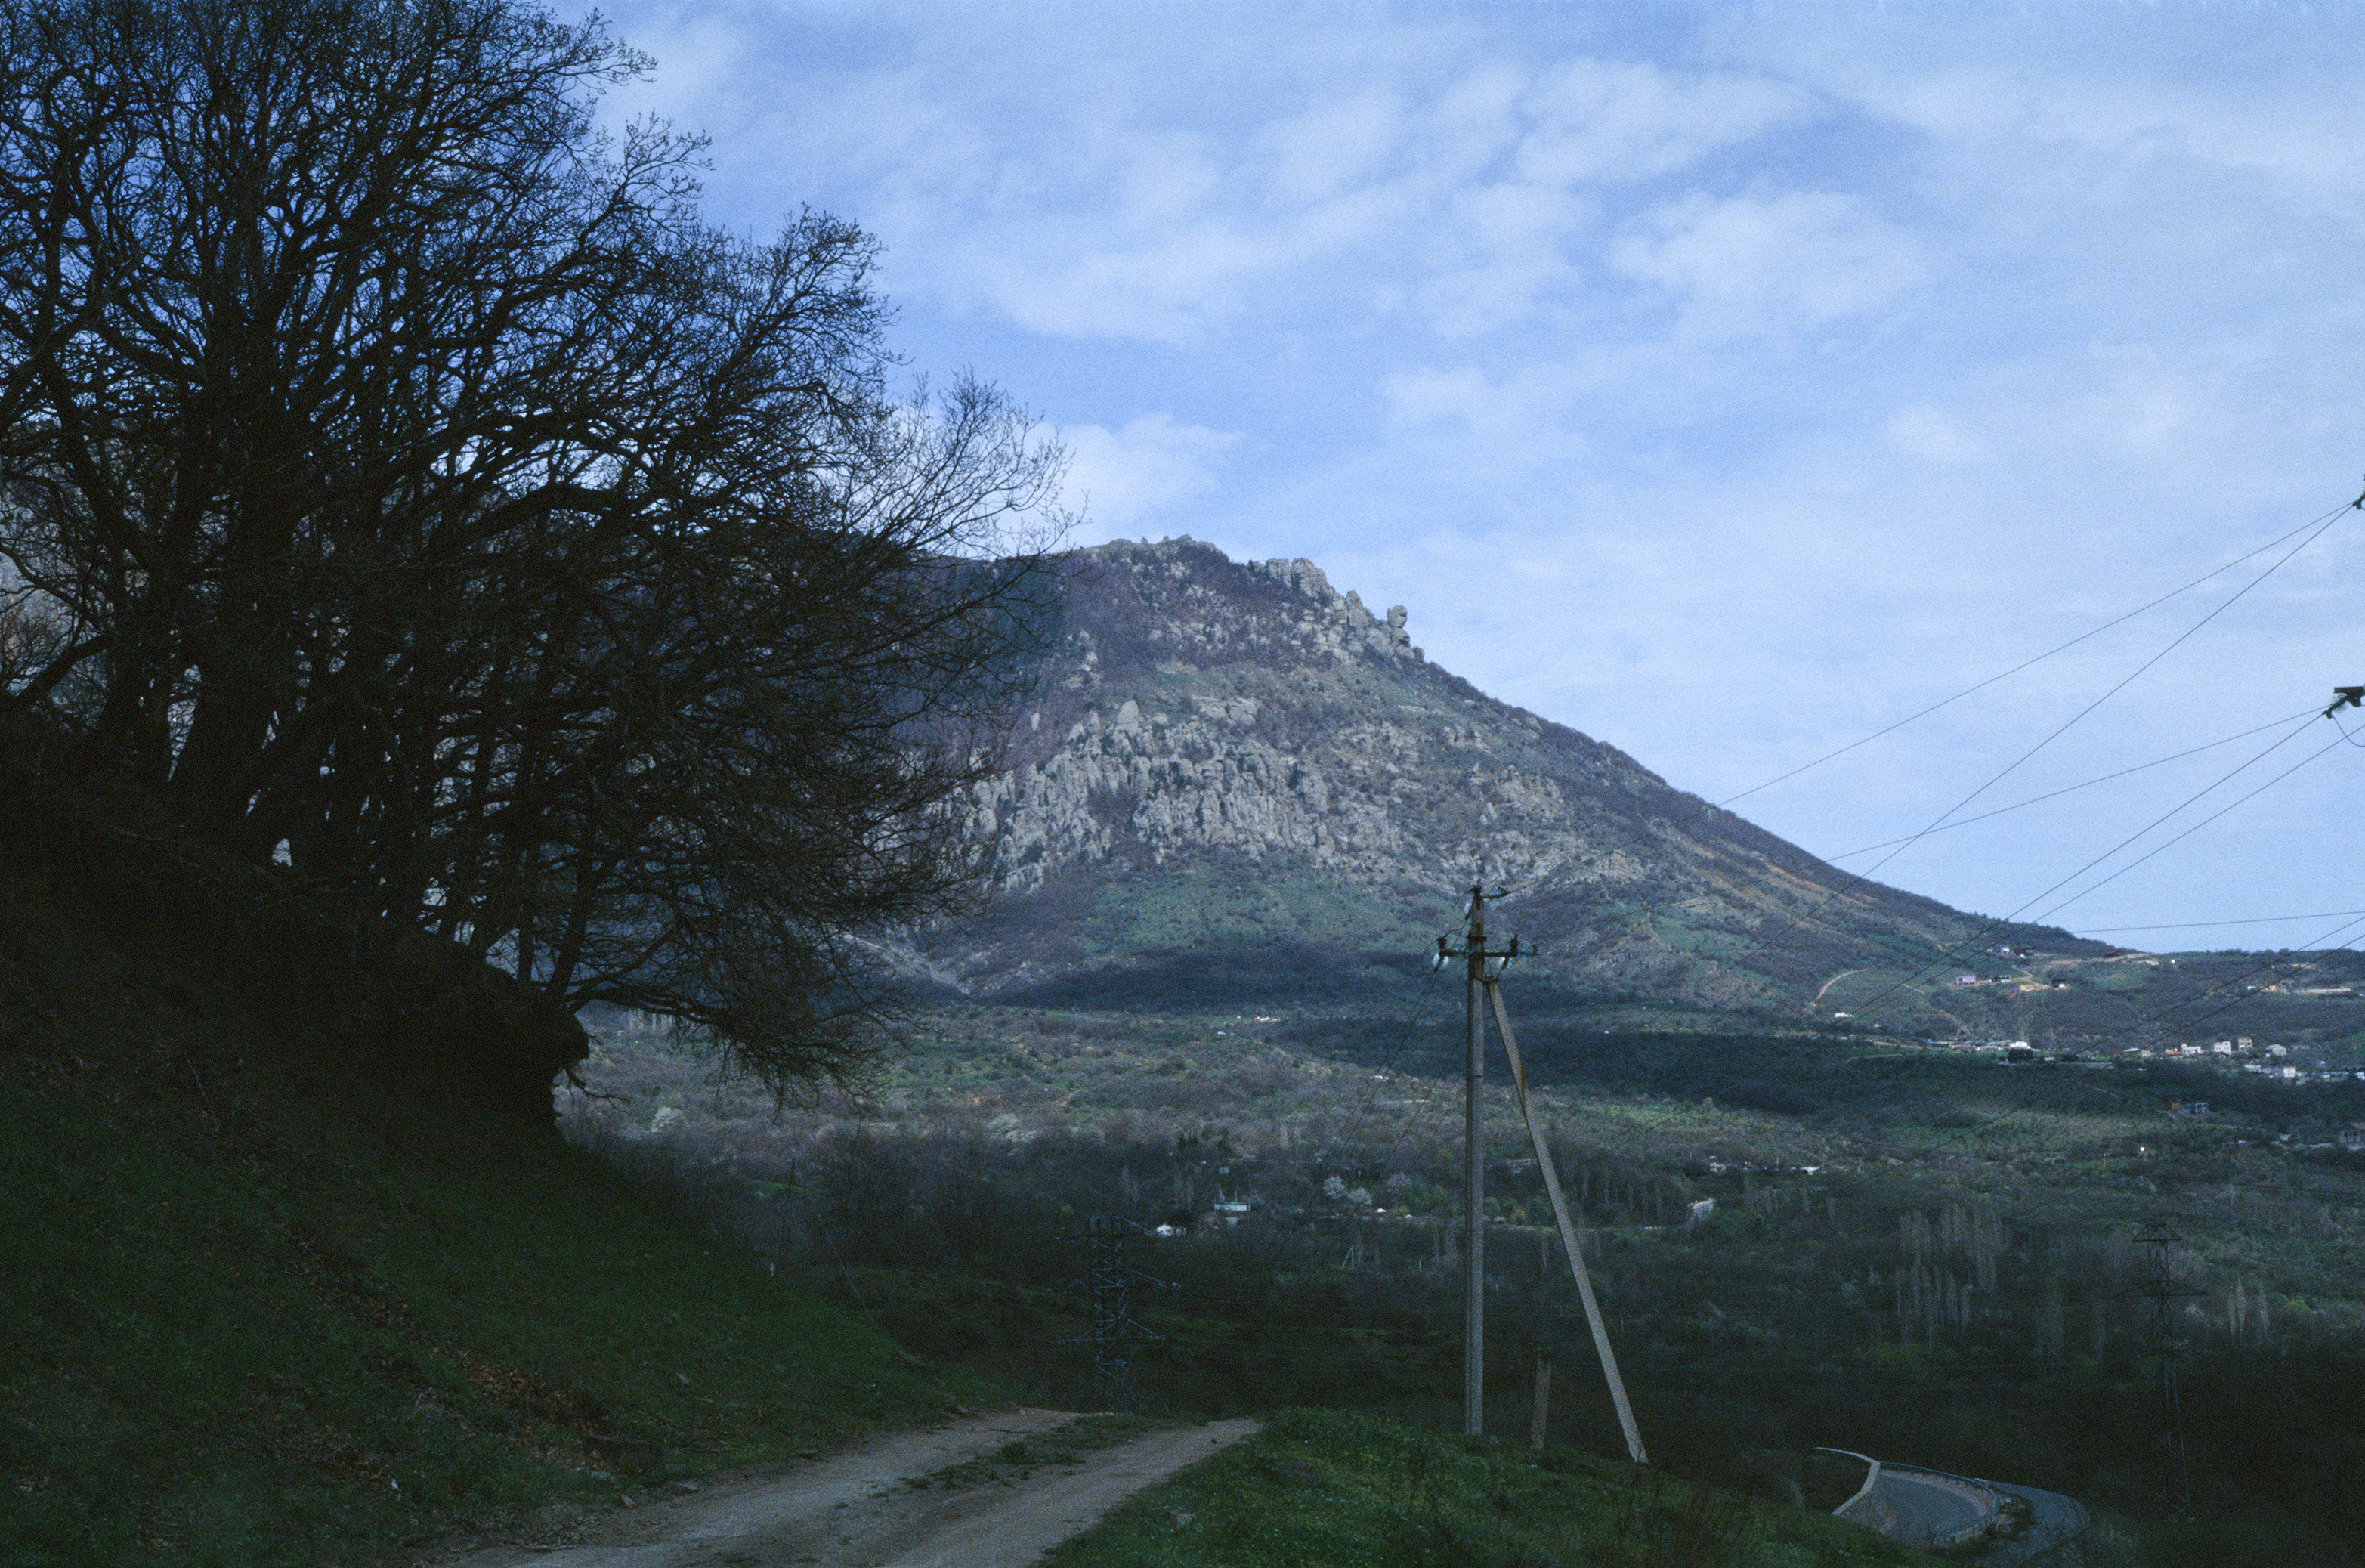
{"points": [[403, 481]]}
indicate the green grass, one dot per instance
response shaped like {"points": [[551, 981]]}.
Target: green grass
{"points": [[1332, 1489], [314, 1339]]}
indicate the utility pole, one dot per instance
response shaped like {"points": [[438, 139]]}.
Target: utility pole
{"points": [[1474, 953], [1473, 1178]]}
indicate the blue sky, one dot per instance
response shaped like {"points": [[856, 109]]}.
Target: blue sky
{"points": [[1727, 381]]}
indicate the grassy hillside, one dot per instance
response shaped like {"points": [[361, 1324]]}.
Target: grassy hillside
{"points": [[263, 1304], [271, 1297], [1331, 1489], [357, 1337]]}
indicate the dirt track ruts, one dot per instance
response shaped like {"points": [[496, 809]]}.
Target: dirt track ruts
{"points": [[859, 1509]]}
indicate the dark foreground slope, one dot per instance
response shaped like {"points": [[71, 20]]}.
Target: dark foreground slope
{"points": [[1332, 1489], [1236, 782], [269, 1301]]}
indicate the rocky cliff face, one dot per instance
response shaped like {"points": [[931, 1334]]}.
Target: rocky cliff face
{"points": [[1234, 772]]}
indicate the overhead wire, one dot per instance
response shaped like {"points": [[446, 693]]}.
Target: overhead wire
{"points": [[2089, 784], [2187, 833], [2166, 1017], [2318, 523], [1953, 951], [2313, 530], [2205, 925], [1857, 880]]}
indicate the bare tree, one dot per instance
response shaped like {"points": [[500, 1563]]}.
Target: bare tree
{"points": [[399, 478]]}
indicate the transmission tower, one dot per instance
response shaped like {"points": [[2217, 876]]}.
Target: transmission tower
{"points": [[2159, 1287], [1109, 1283]]}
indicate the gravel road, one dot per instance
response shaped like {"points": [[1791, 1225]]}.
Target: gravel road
{"points": [[871, 1507]]}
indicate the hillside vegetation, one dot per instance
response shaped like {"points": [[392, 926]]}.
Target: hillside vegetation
{"points": [[277, 1291], [1923, 1254], [268, 1301], [1332, 1489]]}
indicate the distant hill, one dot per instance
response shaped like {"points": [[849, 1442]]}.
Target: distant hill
{"points": [[1236, 781]]}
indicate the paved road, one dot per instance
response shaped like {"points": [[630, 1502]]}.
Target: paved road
{"points": [[1928, 1508], [1921, 1507]]}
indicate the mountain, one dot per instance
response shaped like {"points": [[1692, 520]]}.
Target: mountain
{"points": [[1235, 781]]}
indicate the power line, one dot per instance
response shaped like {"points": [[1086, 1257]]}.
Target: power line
{"points": [[2313, 530], [2188, 832], [1992, 927], [2201, 925], [2162, 1018], [2073, 789], [2319, 524], [2130, 677]]}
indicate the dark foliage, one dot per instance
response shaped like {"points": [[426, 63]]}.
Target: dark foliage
{"points": [[205, 934], [401, 479]]}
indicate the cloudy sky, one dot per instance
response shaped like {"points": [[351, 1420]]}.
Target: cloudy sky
{"points": [[1728, 382]]}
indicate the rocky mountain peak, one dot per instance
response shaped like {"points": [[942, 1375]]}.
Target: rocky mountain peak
{"points": [[1224, 755]]}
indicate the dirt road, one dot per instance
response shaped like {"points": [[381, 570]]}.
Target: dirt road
{"points": [[933, 1499]]}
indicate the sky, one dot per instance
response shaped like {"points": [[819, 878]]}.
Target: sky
{"points": [[1727, 381]]}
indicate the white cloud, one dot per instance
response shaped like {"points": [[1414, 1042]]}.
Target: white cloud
{"points": [[1466, 179], [1615, 121], [1331, 148], [1125, 476], [1927, 431], [1486, 422], [1769, 265], [2287, 137]]}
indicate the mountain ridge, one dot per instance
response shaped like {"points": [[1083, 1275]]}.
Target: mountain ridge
{"points": [[1236, 763]]}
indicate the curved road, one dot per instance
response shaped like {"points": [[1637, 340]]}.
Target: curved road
{"points": [[1930, 1507]]}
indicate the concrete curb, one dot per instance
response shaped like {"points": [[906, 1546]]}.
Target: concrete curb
{"points": [[1867, 1507]]}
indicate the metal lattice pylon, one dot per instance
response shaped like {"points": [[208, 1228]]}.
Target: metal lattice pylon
{"points": [[1109, 1284], [2161, 1286]]}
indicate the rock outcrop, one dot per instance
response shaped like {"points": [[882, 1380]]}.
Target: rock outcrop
{"points": [[1226, 759]]}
